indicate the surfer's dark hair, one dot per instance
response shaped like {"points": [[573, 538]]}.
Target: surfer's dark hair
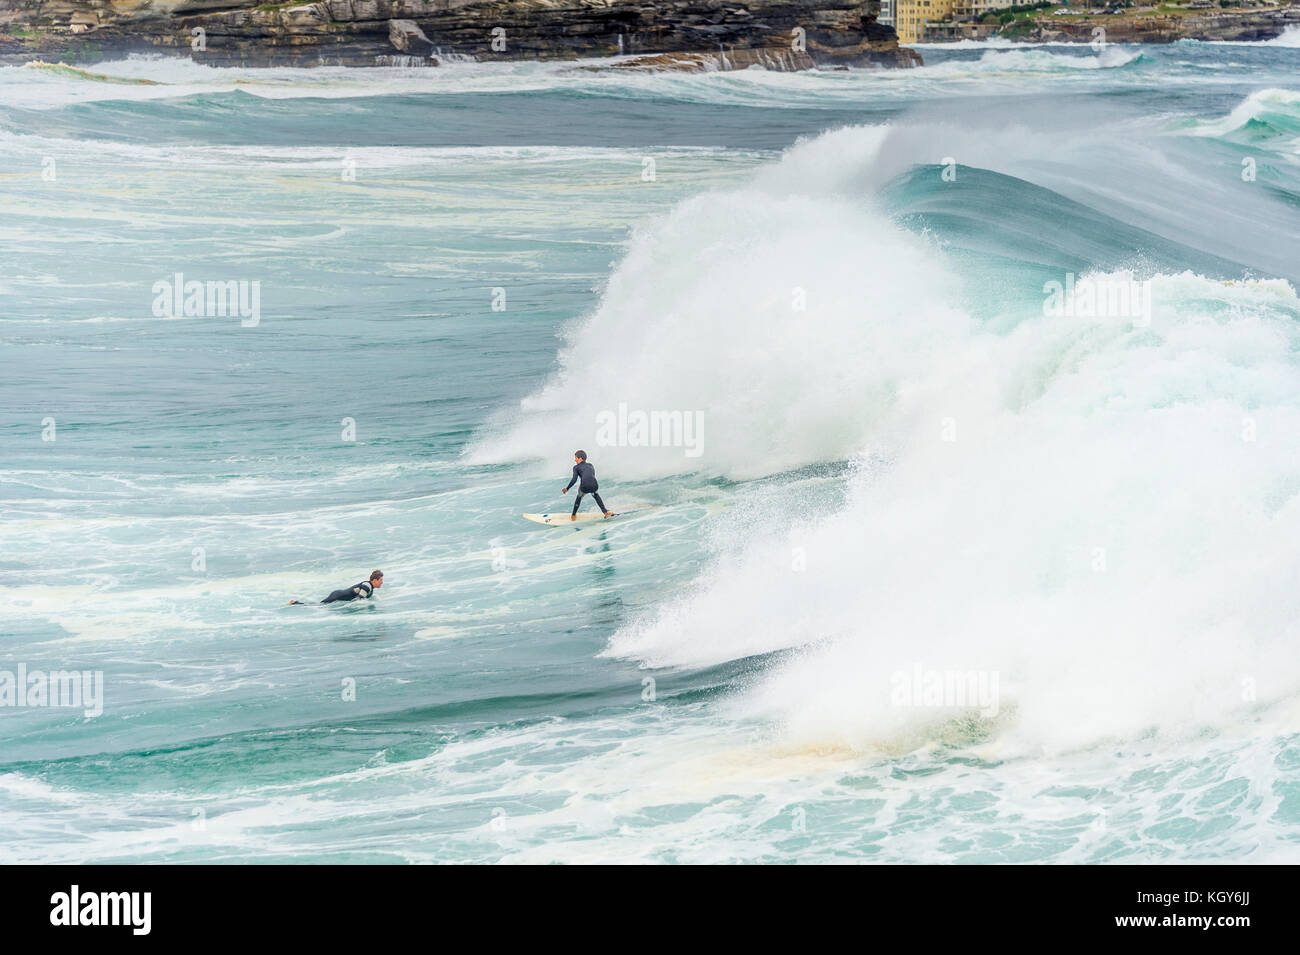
{"points": [[580, 454], [376, 575]]}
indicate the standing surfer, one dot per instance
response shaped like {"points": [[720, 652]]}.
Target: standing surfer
{"points": [[585, 475]]}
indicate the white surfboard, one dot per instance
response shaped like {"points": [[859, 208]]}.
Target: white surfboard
{"points": [[561, 518]]}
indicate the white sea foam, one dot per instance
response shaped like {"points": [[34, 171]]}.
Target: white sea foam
{"points": [[147, 78], [1290, 38], [973, 554], [1103, 512], [1257, 105], [772, 309], [1112, 530]]}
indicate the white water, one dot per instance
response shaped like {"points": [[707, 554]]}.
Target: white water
{"points": [[1111, 530], [1290, 38], [765, 309], [1115, 531]]}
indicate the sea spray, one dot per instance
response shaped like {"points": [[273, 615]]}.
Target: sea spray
{"points": [[785, 311], [1109, 531]]}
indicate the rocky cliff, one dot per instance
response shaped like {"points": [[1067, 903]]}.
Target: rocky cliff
{"points": [[1156, 28], [713, 34]]}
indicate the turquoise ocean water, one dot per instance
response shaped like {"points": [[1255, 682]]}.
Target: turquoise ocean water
{"points": [[904, 465]]}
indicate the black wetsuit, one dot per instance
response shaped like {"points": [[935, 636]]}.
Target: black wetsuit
{"points": [[585, 475], [363, 590]]}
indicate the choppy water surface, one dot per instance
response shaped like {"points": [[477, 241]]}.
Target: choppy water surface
{"points": [[905, 467]]}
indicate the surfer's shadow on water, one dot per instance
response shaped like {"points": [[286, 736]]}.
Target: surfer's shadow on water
{"points": [[365, 636], [590, 546], [602, 568], [376, 634]]}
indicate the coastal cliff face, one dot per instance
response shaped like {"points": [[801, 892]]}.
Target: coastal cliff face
{"points": [[1234, 25], [709, 34]]}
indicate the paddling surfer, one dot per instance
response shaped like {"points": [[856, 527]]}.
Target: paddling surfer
{"points": [[362, 591]]}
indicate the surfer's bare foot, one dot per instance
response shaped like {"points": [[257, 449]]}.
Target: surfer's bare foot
{"points": [[609, 513], [573, 517]]}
